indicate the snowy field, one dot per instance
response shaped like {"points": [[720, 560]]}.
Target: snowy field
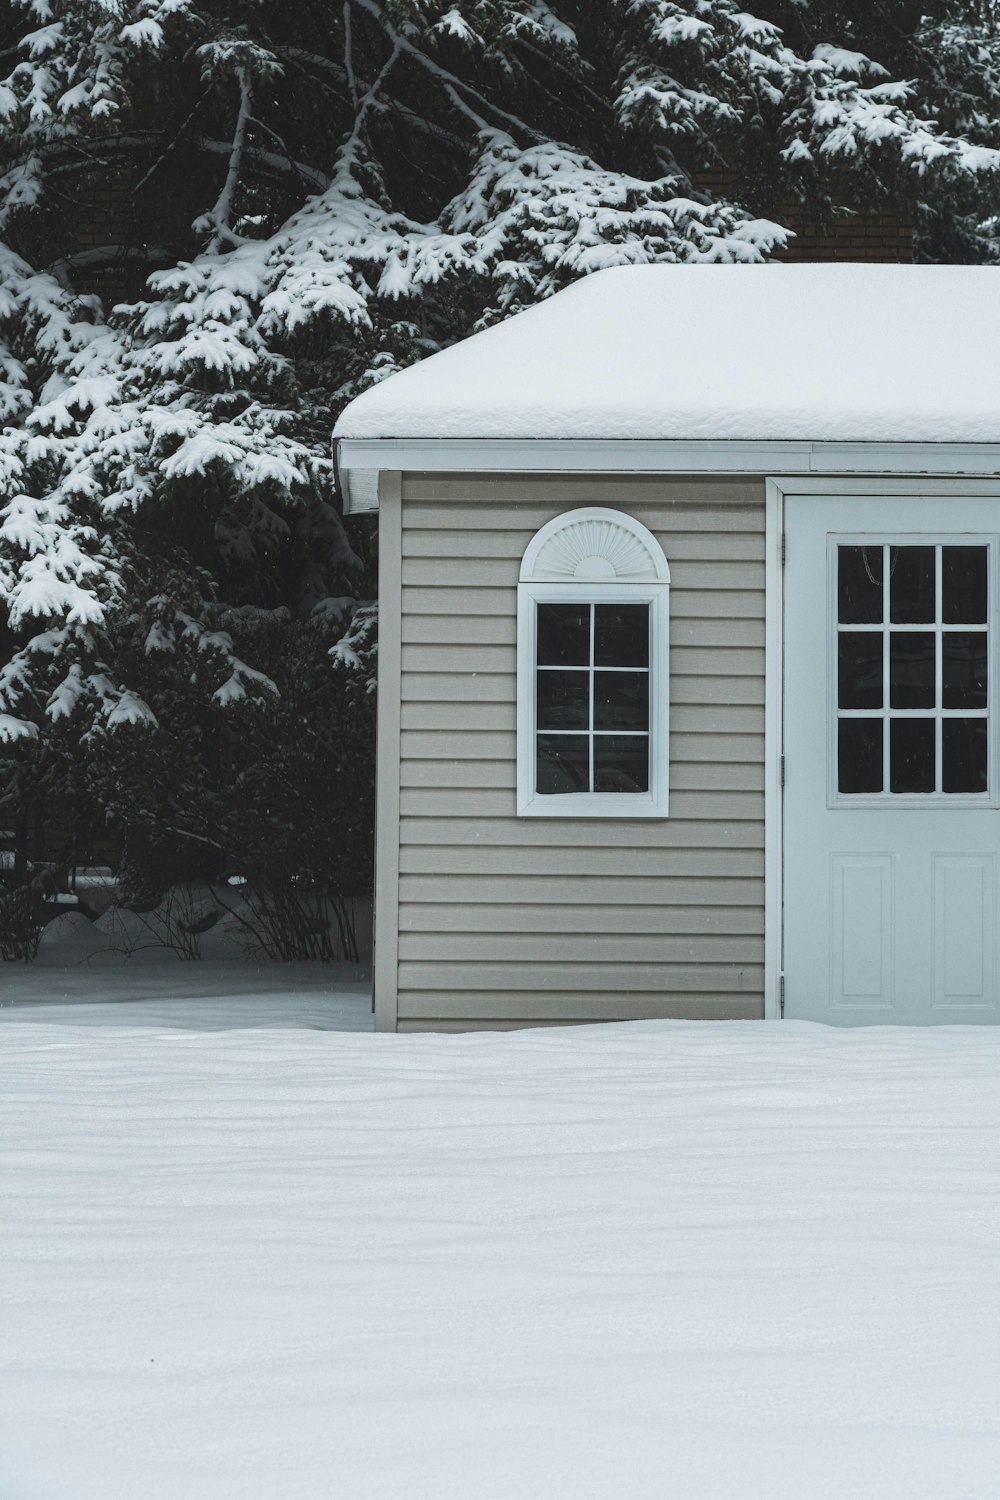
{"points": [[711, 1262]]}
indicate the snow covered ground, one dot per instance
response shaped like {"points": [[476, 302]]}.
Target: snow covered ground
{"points": [[203, 995], [716, 1262]]}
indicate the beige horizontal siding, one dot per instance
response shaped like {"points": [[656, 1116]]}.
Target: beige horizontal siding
{"points": [[449, 804], [466, 659], [608, 979], [466, 895], [496, 687], [685, 718], [568, 861], [518, 495], [459, 579], [565, 833], [444, 556], [717, 600], [435, 744], [567, 1010], [462, 1011], [459, 627], [516, 919], [472, 1023], [590, 948], [488, 775], [507, 921]]}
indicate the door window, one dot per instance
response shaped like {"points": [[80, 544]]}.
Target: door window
{"points": [[912, 672]]}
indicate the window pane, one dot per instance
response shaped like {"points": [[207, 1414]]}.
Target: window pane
{"points": [[563, 763], [963, 750], [859, 658], [563, 635], [859, 755], [963, 668], [911, 669], [963, 585], [859, 585], [621, 763], [911, 585], [911, 755], [563, 700], [621, 635], [621, 700]]}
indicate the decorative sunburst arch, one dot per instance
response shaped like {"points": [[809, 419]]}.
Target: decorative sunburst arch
{"points": [[594, 545]]}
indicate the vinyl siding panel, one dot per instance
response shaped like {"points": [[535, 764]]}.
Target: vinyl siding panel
{"points": [[468, 901], [437, 744], [450, 804], [571, 864], [573, 1010], [488, 775], [505, 921], [550, 918]]}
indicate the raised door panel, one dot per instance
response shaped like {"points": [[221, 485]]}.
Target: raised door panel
{"points": [[861, 907], [964, 932]]}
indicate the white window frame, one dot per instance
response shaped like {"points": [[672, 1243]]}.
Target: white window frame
{"points": [[652, 590]]}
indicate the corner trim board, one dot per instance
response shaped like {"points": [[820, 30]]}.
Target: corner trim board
{"points": [[774, 759], [385, 977]]}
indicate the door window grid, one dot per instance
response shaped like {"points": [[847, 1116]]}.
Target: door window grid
{"points": [[886, 629], [592, 669]]}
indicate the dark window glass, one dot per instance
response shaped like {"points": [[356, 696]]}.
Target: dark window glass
{"points": [[911, 669], [621, 763], [621, 635], [562, 700], [563, 763], [963, 752], [859, 665], [621, 700], [859, 755], [963, 668], [911, 755], [911, 585], [563, 635], [963, 585], [859, 585]]}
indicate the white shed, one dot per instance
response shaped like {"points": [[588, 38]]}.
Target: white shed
{"points": [[688, 659]]}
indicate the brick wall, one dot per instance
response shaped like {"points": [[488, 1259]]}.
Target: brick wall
{"points": [[871, 237], [876, 235]]}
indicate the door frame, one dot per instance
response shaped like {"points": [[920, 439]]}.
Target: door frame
{"points": [[779, 491]]}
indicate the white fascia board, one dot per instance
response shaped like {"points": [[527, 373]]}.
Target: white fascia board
{"points": [[364, 456]]}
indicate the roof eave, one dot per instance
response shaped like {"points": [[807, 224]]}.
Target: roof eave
{"points": [[359, 461]]}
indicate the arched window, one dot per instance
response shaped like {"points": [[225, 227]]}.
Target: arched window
{"points": [[592, 681]]}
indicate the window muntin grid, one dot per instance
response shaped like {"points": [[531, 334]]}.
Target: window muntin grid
{"points": [[912, 669], [592, 692]]}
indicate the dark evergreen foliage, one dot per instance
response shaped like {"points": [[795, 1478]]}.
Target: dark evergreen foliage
{"points": [[223, 218]]}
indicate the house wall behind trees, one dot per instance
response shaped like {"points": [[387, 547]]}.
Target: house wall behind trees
{"points": [[505, 921]]}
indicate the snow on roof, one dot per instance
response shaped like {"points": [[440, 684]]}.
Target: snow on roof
{"points": [[857, 353]]}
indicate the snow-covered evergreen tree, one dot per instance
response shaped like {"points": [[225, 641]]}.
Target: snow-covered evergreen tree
{"points": [[321, 193]]}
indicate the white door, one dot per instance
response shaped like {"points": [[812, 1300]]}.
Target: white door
{"points": [[891, 819]]}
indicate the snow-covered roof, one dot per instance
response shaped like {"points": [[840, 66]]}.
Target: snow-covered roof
{"points": [[855, 353]]}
